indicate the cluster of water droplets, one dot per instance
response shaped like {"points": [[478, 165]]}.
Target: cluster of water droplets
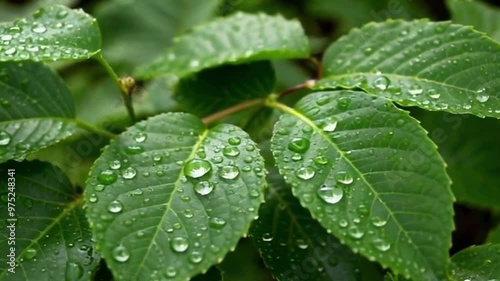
{"points": [[38, 38]]}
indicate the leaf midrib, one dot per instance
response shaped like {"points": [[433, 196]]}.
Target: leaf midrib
{"points": [[306, 120]]}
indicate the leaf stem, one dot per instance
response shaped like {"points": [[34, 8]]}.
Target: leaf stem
{"points": [[306, 84], [92, 128], [228, 111], [124, 92]]}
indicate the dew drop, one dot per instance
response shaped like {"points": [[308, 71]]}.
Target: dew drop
{"points": [[296, 157], [323, 100], [61, 14], [433, 94], [134, 149], [305, 173], [115, 207], [217, 223], [194, 63], [6, 37], [230, 151], [170, 272], [140, 137], [4, 138], [330, 194], [320, 160], [229, 172], [196, 257], [344, 178], [179, 244], [121, 254], [267, 237], [115, 165], [93, 198], [197, 168], [355, 233], [73, 271], [343, 223], [415, 90], [204, 187], [378, 222], [301, 244], [10, 51], [482, 97], [234, 140], [299, 145], [39, 28], [330, 125], [129, 173], [30, 253], [107, 177], [381, 245], [381, 83]]}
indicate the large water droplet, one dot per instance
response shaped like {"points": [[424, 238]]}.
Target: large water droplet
{"points": [[381, 245], [299, 145], [230, 151], [121, 254], [140, 137], [73, 271], [344, 178], [129, 173], [61, 14], [330, 125], [433, 94], [378, 222], [204, 187], [4, 138], [305, 173], [217, 223], [482, 96], [234, 140], [107, 177], [330, 194], [381, 83], [179, 244], [197, 168], [115, 206], [355, 232], [196, 257], [229, 172], [415, 90], [30, 253], [115, 165]]}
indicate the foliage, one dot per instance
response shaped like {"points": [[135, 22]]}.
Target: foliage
{"points": [[376, 136]]}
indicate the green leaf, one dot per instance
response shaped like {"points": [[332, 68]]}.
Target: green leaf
{"points": [[169, 198], [436, 66], [235, 39], [462, 140], [296, 247], [33, 115], [225, 86], [51, 34], [478, 263], [482, 16], [368, 173], [52, 237], [494, 236], [153, 27]]}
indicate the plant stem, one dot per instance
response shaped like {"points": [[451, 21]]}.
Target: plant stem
{"points": [[307, 84], [127, 98], [92, 128], [228, 111]]}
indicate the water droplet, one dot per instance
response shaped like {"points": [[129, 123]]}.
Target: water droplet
{"points": [[378, 222], [323, 100], [140, 137], [267, 237], [197, 168], [39, 28], [61, 14], [355, 232], [115, 165], [121, 254], [6, 37], [115, 206], [363, 210], [73, 271], [381, 245], [381, 83], [415, 90], [4, 138], [179, 244], [330, 125], [305, 173], [134, 149], [302, 244], [217, 223], [254, 193], [482, 97], [234, 140], [170, 272], [93, 198], [320, 160], [433, 94], [296, 157], [344, 178], [30, 253], [299, 145], [107, 177], [330, 194], [10, 51], [194, 63], [204, 187], [196, 257], [129, 173], [229, 172], [230, 151], [343, 223]]}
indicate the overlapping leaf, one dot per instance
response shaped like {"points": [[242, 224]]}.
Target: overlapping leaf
{"points": [[482, 16], [169, 198], [477, 263], [51, 234], [494, 236], [225, 86], [296, 247], [369, 174], [236, 39], [52, 33], [433, 65], [36, 109]]}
